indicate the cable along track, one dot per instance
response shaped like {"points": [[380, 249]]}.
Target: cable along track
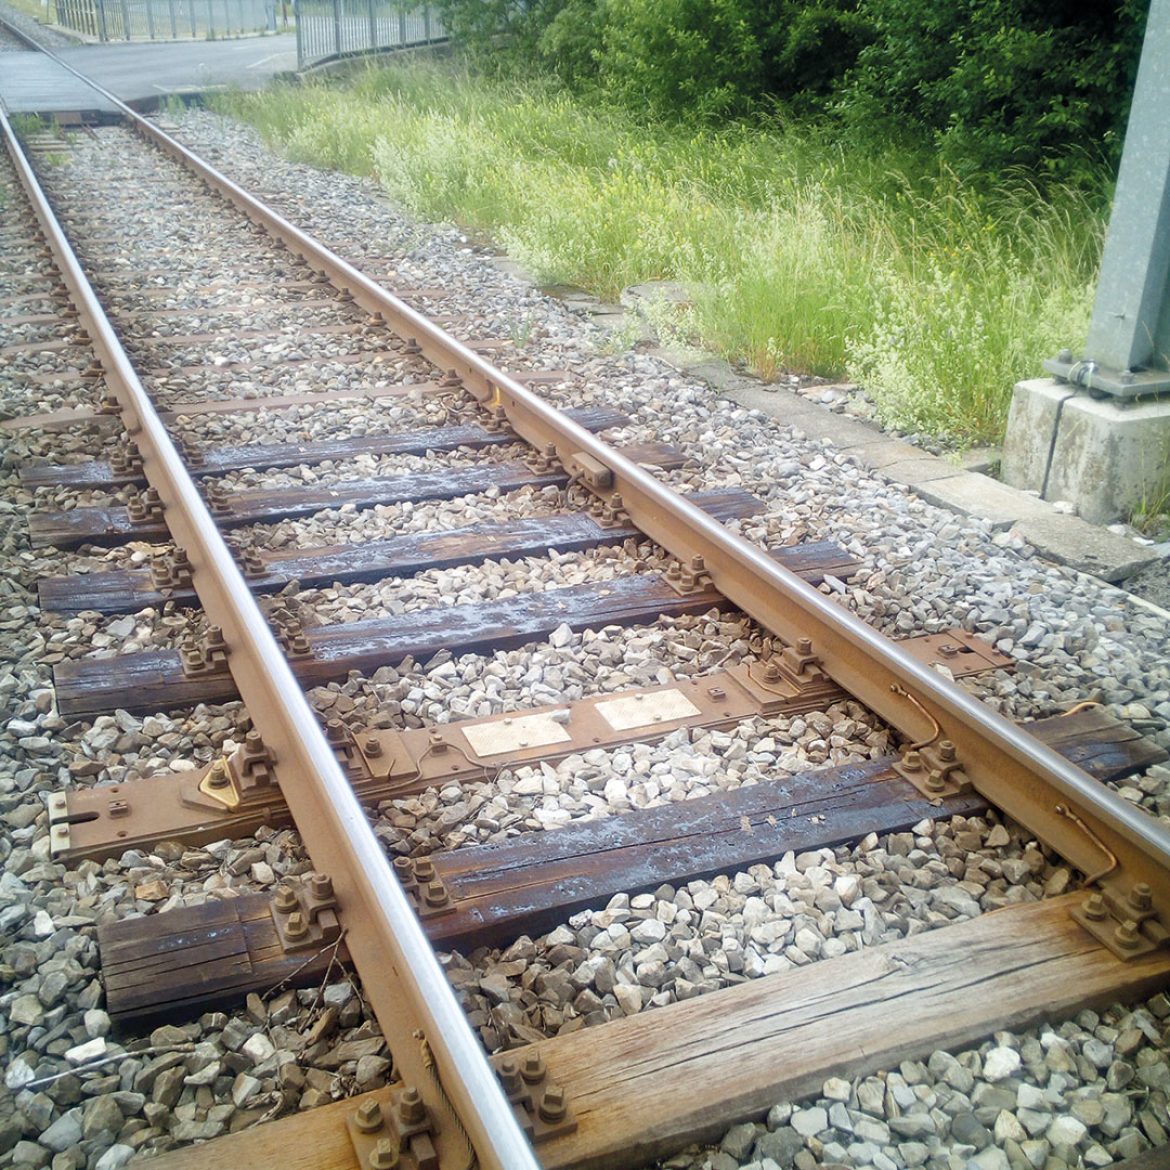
{"points": [[620, 1093]]}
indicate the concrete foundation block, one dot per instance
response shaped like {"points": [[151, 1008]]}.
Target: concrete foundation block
{"points": [[1103, 455], [978, 495], [1031, 430], [1110, 456]]}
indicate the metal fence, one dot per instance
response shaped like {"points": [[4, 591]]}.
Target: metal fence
{"points": [[327, 29], [126, 20]]}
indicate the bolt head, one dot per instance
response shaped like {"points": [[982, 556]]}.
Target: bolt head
{"points": [[912, 761], [384, 1156], [296, 926], [286, 899], [1126, 935], [1141, 897], [1093, 908], [532, 1069], [369, 1116], [553, 1106]]}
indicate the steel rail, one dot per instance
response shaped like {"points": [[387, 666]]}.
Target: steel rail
{"points": [[400, 974], [1013, 770]]}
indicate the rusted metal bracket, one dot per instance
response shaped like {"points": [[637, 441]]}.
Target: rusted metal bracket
{"points": [[1124, 922], [540, 1104], [305, 914], [689, 578], [426, 889], [611, 513], [391, 1130], [145, 508], [934, 769], [961, 653], [171, 571], [208, 655]]}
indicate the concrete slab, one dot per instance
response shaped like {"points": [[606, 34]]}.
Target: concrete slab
{"points": [[842, 430], [31, 83], [881, 453], [922, 468], [142, 73], [982, 497], [1069, 540]]}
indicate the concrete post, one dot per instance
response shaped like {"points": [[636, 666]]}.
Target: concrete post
{"points": [[1082, 437], [1128, 349]]}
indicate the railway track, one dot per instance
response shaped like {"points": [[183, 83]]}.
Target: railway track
{"points": [[289, 525]]}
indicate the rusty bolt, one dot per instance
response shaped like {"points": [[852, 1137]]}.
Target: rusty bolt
{"points": [[698, 565], [215, 639], [1141, 897], [411, 1107], [452, 379], [218, 776], [296, 926], [771, 671], [553, 1106], [424, 869], [384, 1156], [532, 1069], [435, 743], [412, 346], [403, 868], [934, 780], [286, 899], [335, 731], [1093, 908], [373, 746], [321, 885], [673, 570], [368, 1117], [435, 894], [1126, 935], [803, 646], [300, 645], [912, 762], [253, 744], [946, 751], [717, 693], [509, 1073]]}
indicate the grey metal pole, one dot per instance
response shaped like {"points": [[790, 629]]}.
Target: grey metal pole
{"points": [[1128, 348], [174, 22], [337, 27], [373, 26]]}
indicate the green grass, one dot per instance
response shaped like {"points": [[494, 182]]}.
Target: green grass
{"points": [[800, 254]]}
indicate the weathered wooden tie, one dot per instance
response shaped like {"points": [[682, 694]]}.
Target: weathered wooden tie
{"points": [[104, 525], [647, 1085], [220, 460], [129, 590], [155, 680]]}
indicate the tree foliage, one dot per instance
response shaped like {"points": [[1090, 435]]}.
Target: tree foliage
{"points": [[988, 84]]}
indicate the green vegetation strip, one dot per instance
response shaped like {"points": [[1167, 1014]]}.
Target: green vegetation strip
{"points": [[798, 252]]}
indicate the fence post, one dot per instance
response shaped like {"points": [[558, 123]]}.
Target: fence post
{"points": [[426, 22], [125, 20], [401, 25], [337, 26], [298, 12], [150, 17], [105, 31], [373, 26]]}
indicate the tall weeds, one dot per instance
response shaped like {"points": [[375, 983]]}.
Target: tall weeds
{"points": [[799, 254]]}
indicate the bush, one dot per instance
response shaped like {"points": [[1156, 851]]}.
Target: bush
{"points": [[1041, 84]]}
